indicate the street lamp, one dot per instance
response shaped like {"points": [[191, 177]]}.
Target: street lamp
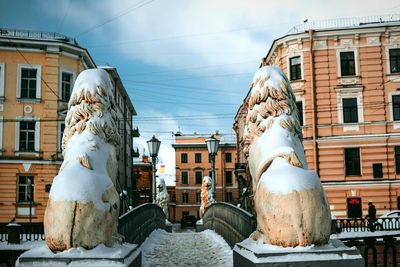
{"points": [[154, 146], [212, 147]]}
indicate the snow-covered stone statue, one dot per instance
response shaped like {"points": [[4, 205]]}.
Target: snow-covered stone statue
{"points": [[162, 197], [206, 194], [83, 205], [291, 205]]}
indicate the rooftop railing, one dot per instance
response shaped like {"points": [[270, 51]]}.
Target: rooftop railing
{"points": [[344, 23], [38, 35]]}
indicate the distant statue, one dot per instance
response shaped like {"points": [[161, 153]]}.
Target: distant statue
{"points": [[206, 195], [290, 202], [83, 205], [162, 197]]}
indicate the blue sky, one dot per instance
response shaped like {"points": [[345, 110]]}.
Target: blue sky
{"points": [[186, 65]]}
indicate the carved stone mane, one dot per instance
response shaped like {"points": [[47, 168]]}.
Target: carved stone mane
{"points": [[206, 194], [296, 212], [83, 203]]}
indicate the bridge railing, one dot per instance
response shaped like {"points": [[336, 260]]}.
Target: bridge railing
{"points": [[232, 223], [363, 224], [137, 224]]}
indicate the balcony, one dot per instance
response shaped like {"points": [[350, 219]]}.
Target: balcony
{"points": [[135, 132]]}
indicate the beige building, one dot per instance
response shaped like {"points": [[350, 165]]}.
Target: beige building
{"points": [[346, 80], [37, 73], [192, 164]]}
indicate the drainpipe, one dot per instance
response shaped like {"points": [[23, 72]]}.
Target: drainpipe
{"points": [[313, 103]]}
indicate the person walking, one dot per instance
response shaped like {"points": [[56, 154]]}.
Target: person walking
{"points": [[371, 216]]}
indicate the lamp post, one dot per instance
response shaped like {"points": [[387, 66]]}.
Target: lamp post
{"points": [[154, 146], [212, 147]]}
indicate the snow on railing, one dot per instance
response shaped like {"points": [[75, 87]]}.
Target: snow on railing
{"points": [[344, 23], [27, 34]]}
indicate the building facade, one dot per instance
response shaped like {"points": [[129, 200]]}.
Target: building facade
{"points": [[346, 80], [37, 74], [192, 164]]}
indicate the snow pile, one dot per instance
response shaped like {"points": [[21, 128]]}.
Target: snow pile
{"points": [[90, 108], [185, 249]]}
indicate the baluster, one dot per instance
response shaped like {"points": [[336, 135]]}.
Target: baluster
{"points": [[370, 244], [389, 243]]}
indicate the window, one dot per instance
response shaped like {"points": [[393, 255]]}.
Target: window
{"points": [[185, 177], [397, 158], [66, 85], [198, 197], [228, 197], [228, 157], [185, 198], [25, 188], [228, 177], [347, 64], [350, 110], [352, 161], [394, 58], [396, 107], [197, 158], [198, 176], [27, 136], [2, 68], [377, 170], [299, 105], [29, 82], [210, 173], [295, 68], [184, 158], [61, 132], [1, 134]]}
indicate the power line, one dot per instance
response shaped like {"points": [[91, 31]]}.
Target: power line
{"points": [[130, 9]]}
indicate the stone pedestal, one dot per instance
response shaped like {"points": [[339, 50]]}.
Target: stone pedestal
{"points": [[199, 226], [118, 255], [248, 253]]}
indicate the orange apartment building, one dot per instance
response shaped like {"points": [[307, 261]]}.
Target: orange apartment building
{"points": [[37, 74], [192, 164], [346, 78]]}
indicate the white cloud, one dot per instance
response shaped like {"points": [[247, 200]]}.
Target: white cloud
{"points": [[185, 32]]}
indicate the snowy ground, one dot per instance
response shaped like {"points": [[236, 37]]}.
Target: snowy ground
{"points": [[185, 248]]}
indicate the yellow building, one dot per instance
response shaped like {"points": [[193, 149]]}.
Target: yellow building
{"points": [[37, 73], [346, 78], [192, 164]]}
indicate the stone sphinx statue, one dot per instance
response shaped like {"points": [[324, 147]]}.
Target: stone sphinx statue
{"points": [[83, 205], [206, 194], [291, 205], [162, 196]]}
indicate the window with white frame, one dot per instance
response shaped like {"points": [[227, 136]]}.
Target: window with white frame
{"points": [[2, 80], [28, 134], [396, 107], [67, 80], [394, 60], [25, 188], [1, 134], [295, 68], [29, 81], [350, 105]]}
